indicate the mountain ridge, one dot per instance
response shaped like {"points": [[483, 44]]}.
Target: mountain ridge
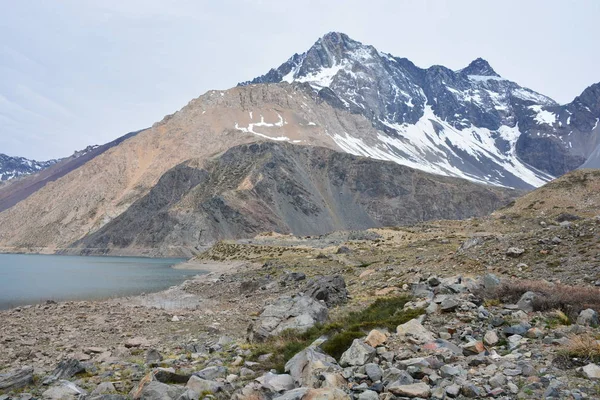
{"points": [[494, 124]]}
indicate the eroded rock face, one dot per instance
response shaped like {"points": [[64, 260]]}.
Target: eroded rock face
{"points": [[16, 379], [299, 313]]}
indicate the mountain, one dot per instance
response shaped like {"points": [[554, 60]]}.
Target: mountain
{"points": [[593, 160], [281, 187], [470, 123], [15, 167], [133, 194], [89, 197]]}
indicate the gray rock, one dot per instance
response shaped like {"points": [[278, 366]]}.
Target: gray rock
{"points": [[66, 369], [374, 372], [397, 376], [153, 356], [497, 380], [294, 277], [450, 371], [295, 394], [330, 289], [359, 353], [299, 313], [307, 365], [413, 329], [16, 379], [490, 281], [514, 252], [525, 303], [591, 371], [276, 383], [471, 391], [109, 397], [212, 373], [448, 304], [64, 390], [453, 390], [420, 390], [200, 385], [104, 388], [368, 395], [491, 338], [588, 317]]}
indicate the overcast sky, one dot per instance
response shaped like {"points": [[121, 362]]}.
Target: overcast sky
{"points": [[75, 72]]}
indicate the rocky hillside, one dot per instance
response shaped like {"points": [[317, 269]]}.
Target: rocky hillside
{"points": [[504, 306], [471, 123], [284, 188]]}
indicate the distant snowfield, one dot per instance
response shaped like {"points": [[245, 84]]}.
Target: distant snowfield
{"points": [[421, 147]]}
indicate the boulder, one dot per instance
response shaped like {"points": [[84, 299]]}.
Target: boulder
{"points": [[414, 330], [200, 385], [588, 317], [299, 313], [358, 354], [16, 379], [67, 369], [330, 289], [490, 281], [420, 390], [211, 373], [374, 372], [276, 382], [525, 303], [307, 365], [64, 390]]}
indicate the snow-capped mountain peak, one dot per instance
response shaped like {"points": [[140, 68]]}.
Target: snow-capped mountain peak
{"points": [[471, 123], [479, 67]]}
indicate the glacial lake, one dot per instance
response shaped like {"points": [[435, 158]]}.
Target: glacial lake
{"points": [[32, 279]]}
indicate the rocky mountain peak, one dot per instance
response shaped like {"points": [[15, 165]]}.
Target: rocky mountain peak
{"points": [[479, 67]]}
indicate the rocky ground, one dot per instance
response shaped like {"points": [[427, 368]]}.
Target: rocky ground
{"points": [[468, 328]]}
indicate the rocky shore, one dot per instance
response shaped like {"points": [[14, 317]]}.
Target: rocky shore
{"points": [[430, 311]]}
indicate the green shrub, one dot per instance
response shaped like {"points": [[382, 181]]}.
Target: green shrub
{"points": [[382, 313]]}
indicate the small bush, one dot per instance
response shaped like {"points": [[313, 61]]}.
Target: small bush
{"points": [[568, 299]]}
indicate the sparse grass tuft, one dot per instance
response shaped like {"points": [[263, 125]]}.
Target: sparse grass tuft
{"points": [[585, 348], [383, 313]]}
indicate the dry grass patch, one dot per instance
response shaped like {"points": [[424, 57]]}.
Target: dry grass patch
{"points": [[566, 298], [579, 350]]}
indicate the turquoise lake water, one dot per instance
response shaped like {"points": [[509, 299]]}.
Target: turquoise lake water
{"points": [[31, 279]]}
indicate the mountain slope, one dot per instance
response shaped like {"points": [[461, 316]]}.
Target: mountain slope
{"points": [[270, 186], [470, 123], [19, 189]]}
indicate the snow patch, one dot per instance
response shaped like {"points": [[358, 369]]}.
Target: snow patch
{"points": [[543, 116]]}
